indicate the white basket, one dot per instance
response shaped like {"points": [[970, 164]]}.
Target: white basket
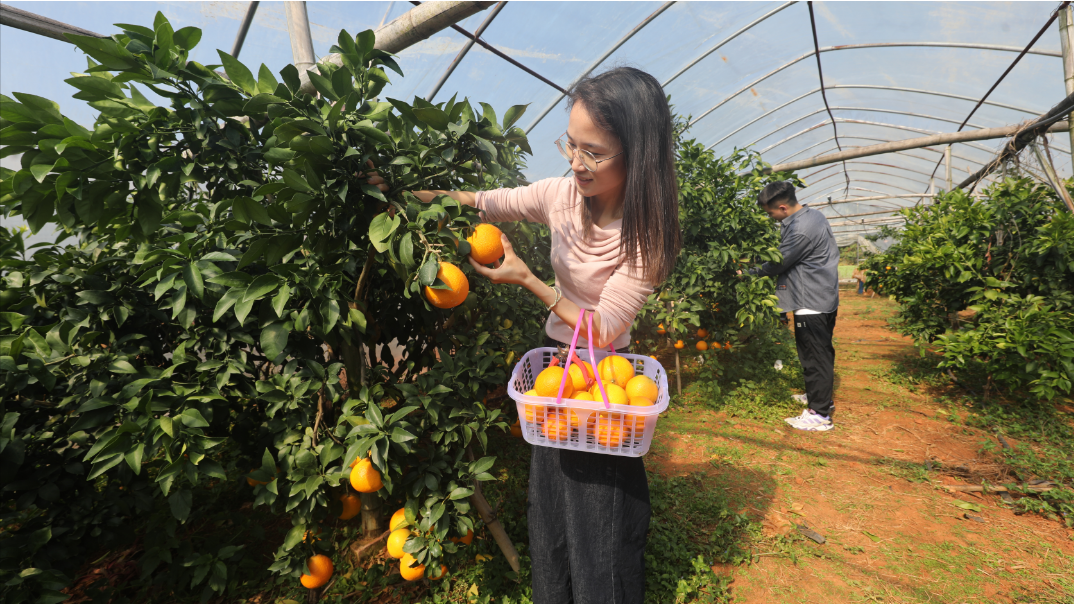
{"points": [[621, 430]]}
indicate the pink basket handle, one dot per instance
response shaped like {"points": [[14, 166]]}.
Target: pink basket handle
{"points": [[570, 353]]}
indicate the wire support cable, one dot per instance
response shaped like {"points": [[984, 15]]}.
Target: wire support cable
{"points": [[823, 93], [465, 49], [1054, 16]]}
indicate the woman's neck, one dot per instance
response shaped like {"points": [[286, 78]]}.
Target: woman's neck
{"points": [[607, 208]]}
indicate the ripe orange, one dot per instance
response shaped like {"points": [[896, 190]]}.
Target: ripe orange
{"points": [[409, 572], [702, 333], [396, 541], [641, 386], [727, 346], [616, 370], [448, 298], [365, 478], [485, 244], [516, 429], [252, 482], [616, 394], [534, 414], [660, 329], [443, 571], [609, 436], [557, 427], [717, 345], [583, 396], [351, 506], [398, 520], [637, 421], [653, 358], [577, 378], [548, 381], [467, 540], [702, 345], [680, 345], [321, 569]]}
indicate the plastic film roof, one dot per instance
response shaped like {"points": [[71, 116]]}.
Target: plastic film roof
{"points": [[892, 70]]}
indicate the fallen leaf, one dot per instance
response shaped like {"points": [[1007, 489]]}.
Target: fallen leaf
{"points": [[967, 506], [796, 506], [871, 536]]}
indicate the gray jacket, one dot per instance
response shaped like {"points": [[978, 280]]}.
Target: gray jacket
{"points": [[809, 273]]}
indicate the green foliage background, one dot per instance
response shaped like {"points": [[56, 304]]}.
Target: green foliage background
{"points": [[1009, 258], [222, 265]]}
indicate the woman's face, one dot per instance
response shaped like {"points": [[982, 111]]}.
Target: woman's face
{"points": [[608, 182]]}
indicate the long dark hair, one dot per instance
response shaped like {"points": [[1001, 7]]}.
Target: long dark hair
{"points": [[631, 104]]}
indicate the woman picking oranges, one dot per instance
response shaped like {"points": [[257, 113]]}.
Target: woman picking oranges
{"points": [[615, 234]]}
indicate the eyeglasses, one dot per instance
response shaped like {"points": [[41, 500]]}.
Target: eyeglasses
{"points": [[567, 150]]}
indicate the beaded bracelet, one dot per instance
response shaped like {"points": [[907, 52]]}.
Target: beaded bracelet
{"points": [[559, 296]]}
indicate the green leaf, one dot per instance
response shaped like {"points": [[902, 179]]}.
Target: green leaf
{"points": [[233, 295], [294, 536], [406, 250], [180, 503], [357, 319], [232, 279], [194, 283], [375, 134], [381, 228], [295, 181], [965, 505], [427, 273], [261, 286], [266, 82], [274, 339], [166, 424], [330, 313], [246, 209], [93, 89], [433, 116], [238, 73], [279, 155], [279, 301], [187, 38], [512, 115], [192, 418]]}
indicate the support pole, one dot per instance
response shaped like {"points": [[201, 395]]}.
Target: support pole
{"points": [[1066, 41], [298, 28], [947, 161], [1053, 178], [42, 26], [240, 38], [910, 143]]}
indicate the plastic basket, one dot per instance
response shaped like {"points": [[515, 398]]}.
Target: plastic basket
{"points": [[586, 425]]}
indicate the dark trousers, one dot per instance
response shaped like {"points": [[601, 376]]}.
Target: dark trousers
{"points": [[813, 338], [588, 520]]}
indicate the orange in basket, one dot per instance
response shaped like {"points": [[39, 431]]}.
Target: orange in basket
{"points": [[557, 427]]}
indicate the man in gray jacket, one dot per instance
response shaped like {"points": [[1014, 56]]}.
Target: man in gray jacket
{"points": [[808, 286]]}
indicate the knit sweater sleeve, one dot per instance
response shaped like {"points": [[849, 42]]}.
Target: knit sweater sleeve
{"points": [[620, 301], [530, 202]]}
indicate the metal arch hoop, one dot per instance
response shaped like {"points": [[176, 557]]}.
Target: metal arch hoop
{"points": [[600, 60], [868, 163], [869, 123], [871, 87], [995, 47], [864, 171], [876, 140], [909, 155]]}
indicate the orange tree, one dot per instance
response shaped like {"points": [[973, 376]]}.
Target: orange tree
{"points": [[1009, 258], [723, 231], [229, 299]]}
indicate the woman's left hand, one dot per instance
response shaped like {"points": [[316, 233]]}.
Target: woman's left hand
{"points": [[511, 270]]}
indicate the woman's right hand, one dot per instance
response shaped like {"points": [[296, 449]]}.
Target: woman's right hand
{"points": [[374, 178]]}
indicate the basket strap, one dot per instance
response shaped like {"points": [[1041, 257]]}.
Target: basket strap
{"points": [[570, 353], [593, 358]]}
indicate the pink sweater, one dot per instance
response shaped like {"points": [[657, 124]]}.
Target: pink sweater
{"points": [[590, 274]]}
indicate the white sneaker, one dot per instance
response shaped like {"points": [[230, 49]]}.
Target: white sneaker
{"points": [[810, 421], [801, 398]]}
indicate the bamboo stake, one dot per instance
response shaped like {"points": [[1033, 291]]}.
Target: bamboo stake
{"points": [[947, 160], [493, 523], [1053, 178]]}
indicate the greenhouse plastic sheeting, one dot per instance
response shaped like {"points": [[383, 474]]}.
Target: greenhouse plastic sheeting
{"points": [[763, 84]]}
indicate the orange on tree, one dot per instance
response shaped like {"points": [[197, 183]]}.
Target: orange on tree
{"points": [[616, 394], [727, 346], [615, 369], [321, 569], [467, 540], [660, 329], [680, 345], [717, 345], [351, 506], [642, 386], [457, 282], [547, 383], [365, 478], [443, 571], [398, 520], [396, 541], [485, 244], [410, 569], [702, 333], [516, 429]]}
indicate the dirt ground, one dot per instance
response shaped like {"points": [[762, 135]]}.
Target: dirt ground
{"points": [[892, 534]]}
